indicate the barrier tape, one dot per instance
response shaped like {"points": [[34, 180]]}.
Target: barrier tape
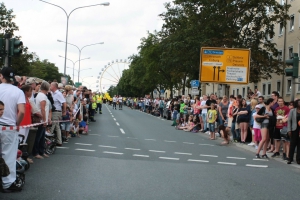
{"points": [[3, 128]]}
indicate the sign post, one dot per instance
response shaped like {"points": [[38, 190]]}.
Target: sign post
{"points": [[224, 65]]}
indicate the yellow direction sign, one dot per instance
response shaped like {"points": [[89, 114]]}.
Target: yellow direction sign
{"points": [[224, 65]]}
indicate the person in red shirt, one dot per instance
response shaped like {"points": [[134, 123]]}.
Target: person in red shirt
{"points": [[281, 111], [27, 117]]}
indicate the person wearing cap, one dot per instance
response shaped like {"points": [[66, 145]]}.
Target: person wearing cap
{"points": [[14, 101], [32, 82]]}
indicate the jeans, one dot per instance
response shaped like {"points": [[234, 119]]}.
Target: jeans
{"points": [[8, 149], [203, 115], [161, 111], [39, 143], [235, 132], [114, 105], [120, 105]]}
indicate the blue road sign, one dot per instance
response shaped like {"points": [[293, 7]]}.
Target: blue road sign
{"points": [[195, 83], [162, 91]]}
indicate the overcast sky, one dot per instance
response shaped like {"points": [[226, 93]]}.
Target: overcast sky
{"points": [[120, 26]]}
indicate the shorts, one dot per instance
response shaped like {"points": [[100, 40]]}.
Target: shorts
{"points": [[211, 127], [277, 135], [66, 126], [264, 125], [178, 116]]}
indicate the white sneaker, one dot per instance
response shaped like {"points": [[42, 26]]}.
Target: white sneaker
{"points": [[256, 147], [251, 144], [207, 132], [49, 134]]}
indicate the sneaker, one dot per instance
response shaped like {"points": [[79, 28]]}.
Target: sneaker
{"points": [[49, 134], [256, 147], [265, 156], [235, 141], [284, 156], [251, 144], [15, 187], [276, 154], [257, 156]]}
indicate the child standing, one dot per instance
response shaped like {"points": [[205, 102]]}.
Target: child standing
{"points": [[175, 112], [256, 128], [211, 119]]}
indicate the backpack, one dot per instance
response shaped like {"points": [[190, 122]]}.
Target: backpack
{"points": [[161, 104]]}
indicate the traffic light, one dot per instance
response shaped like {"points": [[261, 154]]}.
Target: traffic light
{"points": [[295, 63], [2, 47], [14, 49]]}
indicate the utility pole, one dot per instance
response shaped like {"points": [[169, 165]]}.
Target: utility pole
{"points": [[7, 58]]}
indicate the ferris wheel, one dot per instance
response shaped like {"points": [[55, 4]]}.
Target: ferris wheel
{"points": [[111, 74]]}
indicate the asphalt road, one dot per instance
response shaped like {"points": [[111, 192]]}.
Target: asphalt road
{"points": [[131, 155]]}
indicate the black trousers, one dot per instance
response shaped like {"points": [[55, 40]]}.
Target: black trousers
{"points": [[295, 142], [99, 107]]}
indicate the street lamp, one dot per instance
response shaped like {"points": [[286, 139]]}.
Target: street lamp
{"points": [[80, 70], [68, 16], [80, 49], [89, 84], [74, 65], [85, 78]]}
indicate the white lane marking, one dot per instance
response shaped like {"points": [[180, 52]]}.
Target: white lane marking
{"points": [[112, 136], [62, 147], [132, 149], [137, 155], [132, 138], [84, 150], [188, 143], [192, 160], [213, 156], [163, 119], [169, 158], [122, 131], [117, 124], [156, 151], [109, 152], [151, 139], [180, 153], [115, 119], [169, 141], [207, 145], [260, 166], [226, 163], [107, 146], [257, 159], [112, 115], [237, 158], [84, 144]]}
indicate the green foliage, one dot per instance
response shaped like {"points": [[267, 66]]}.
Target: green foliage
{"points": [[170, 58], [27, 64]]}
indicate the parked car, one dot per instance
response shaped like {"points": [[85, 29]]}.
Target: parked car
{"points": [[167, 111]]}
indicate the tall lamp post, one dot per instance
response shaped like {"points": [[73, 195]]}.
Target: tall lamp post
{"points": [[80, 49], [68, 16], [80, 70], [74, 64]]}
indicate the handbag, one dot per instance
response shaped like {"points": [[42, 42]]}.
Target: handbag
{"points": [[35, 119], [259, 120], [283, 132]]}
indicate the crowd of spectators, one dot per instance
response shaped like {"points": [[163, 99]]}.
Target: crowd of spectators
{"points": [[46, 108], [235, 119]]}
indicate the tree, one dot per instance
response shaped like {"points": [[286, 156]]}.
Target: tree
{"points": [[234, 24]]}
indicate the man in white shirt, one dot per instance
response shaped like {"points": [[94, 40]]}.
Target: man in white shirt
{"points": [[60, 110], [14, 110], [120, 99], [115, 102], [256, 93]]}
